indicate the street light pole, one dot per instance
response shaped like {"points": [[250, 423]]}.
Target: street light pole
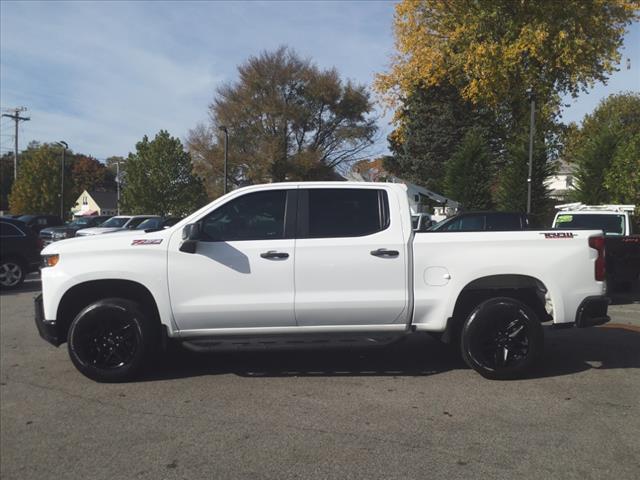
{"points": [[226, 154], [64, 146], [531, 132], [118, 186]]}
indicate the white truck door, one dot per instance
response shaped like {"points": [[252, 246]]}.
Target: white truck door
{"points": [[241, 274], [351, 258]]}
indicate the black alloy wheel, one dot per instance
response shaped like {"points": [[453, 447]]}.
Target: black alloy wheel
{"points": [[111, 339], [502, 338]]}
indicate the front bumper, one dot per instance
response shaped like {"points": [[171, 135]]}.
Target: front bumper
{"points": [[592, 311], [48, 329]]}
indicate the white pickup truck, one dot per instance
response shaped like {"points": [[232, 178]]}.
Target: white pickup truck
{"points": [[315, 263]]}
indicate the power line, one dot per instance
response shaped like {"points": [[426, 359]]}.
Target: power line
{"points": [[17, 119]]}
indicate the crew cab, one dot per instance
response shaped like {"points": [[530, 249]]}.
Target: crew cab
{"points": [[290, 264]]}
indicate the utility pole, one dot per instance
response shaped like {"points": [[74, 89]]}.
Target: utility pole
{"points": [[531, 131], [16, 118], [118, 186], [226, 154], [64, 146]]}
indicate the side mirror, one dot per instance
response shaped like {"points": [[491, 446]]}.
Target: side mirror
{"points": [[190, 236]]}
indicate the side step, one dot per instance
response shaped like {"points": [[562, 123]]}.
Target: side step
{"points": [[286, 342]]}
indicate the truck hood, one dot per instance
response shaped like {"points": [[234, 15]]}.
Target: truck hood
{"points": [[61, 228], [97, 230], [100, 243]]}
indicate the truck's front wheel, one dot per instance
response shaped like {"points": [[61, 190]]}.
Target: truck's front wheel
{"points": [[502, 338], [110, 340]]}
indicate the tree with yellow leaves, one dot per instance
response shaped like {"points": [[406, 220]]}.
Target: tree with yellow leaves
{"points": [[493, 50]]}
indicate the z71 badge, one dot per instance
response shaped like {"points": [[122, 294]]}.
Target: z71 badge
{"points": [[559, 234], [154, 241]]}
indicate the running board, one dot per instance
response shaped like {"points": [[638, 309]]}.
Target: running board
{"points": [[287, 342]]}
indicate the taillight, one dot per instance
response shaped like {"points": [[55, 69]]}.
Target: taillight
{"points": [[597, 243]]}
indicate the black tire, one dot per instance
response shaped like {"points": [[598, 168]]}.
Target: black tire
{"points": [[111, 340], [502, 339], [12, 273]]}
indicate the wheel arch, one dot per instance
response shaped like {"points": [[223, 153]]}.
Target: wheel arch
{"points": [[528, 289], [85, 293]]}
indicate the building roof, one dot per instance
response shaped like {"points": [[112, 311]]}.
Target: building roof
{"points": [[105, 200]]}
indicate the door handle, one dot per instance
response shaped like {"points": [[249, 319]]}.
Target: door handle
{"points": [[272, 254], [383, 252]]}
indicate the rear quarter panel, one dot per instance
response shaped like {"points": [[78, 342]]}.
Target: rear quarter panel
{"points": [[565, 266]]}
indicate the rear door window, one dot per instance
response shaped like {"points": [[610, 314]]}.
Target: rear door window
{"points": [[345, 212]]}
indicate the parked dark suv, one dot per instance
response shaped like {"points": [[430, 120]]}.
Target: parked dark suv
{"points": [[38, 222], [19, 252], [483, 221], [53, 234]]}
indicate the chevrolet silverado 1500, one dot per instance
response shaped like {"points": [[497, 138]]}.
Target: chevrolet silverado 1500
{"points": [[295, 263]]}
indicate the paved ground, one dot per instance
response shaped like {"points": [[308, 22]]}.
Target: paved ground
{"points": [[408, 411]]}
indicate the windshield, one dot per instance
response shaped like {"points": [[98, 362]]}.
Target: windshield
{"points": [[610, 224], [115, 222], [26, 218], [80, 222], [149, 223]]}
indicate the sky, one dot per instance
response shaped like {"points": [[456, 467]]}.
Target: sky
{"points": [[102, 75]]}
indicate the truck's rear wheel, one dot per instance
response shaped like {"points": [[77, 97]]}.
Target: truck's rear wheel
{"points": [[502, 338], [110, 340]]}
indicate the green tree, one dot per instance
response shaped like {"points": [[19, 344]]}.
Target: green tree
{"points": [[469, 172], [160, 179], [37, 188], [287, 119], [6, 180], [511, 191], [622, 179], [601, 152], [433, 122]]}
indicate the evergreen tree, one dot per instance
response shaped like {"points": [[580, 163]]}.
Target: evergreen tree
{"points": [[469, 172], [160, 179], [511, 192], [432, 123]]}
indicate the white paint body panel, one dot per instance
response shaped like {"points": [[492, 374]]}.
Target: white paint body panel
{"points": [[339, 282], [326, 285], [564, 265]]}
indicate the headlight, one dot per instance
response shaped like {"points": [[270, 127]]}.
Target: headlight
{"points": [[60, 235], [49, 260]]}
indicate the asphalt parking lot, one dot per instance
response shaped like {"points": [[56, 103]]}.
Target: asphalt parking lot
{"points": [[412, 410]]}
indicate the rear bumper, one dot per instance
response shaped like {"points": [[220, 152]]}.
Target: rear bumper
{"points": [[592, 311], [48, 329]]}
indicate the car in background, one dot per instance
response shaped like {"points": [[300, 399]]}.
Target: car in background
{"points": [[19, 252], [39, 222], [622, 244], [483, 222], [158, 223], [69, 230], [117, 223], [421, 222]]}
